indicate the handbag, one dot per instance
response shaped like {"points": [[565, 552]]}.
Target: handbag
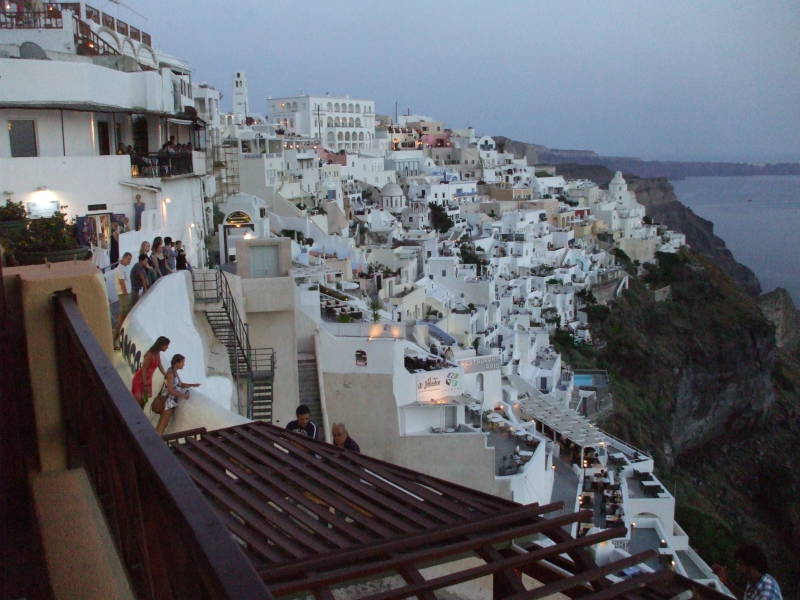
{"points": [[160, 401]]}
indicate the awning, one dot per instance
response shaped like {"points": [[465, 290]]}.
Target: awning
{"points": [[141, 186], [179, 121]]}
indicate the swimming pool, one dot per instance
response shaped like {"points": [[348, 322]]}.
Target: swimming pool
{"points": [[583, 380]]}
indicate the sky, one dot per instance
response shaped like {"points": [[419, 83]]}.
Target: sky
{"points": [[669, 80]]}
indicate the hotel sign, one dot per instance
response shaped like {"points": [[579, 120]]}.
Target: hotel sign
{"points": [[433, 385]]}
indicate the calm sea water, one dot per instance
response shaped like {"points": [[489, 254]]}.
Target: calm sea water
{"points": [[759, 219]]}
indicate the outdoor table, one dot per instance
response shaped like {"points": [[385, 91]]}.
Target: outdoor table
{"points": [[649, 483]]}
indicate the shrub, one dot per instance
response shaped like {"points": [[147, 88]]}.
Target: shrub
{"points": [[12, 211]]}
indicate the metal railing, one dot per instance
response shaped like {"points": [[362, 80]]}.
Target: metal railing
{"points": [[88, 42], [167, 536], [251, 363], [161, 164], [31, 19]]}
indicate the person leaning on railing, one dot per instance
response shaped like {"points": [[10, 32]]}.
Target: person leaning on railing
{"points": [[177, 390]]}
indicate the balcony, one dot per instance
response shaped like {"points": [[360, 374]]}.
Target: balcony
{"points": [[159, 164]]}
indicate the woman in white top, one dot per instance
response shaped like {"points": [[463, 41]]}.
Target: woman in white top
{"points": [[177, 390]]}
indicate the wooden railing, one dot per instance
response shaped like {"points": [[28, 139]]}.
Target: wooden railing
{"points": [[170, 541]]}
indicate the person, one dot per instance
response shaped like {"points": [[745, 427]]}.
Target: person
{"points": [[303, 424], [113, 252], [138, 209], [123, 294], [157, 257], [120, 149], [144, 248], [342, 439], [170, 254], [139, 280], [752, 565], [142, 384], [177, 390], [181, 262]]}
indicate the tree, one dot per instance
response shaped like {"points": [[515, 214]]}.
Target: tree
{"points": [[375, 306], [440, 220]]}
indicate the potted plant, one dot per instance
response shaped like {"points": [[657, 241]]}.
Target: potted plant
{"points": [[49, 239], [13, 217]]}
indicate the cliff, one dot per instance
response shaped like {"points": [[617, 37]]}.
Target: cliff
{"points": [[700, 382], [661, 203], [646, 168], [778, 307]]}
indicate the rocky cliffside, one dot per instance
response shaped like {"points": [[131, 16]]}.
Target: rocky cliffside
{"points": [[661, 203], [778, 307], [700, 382]]}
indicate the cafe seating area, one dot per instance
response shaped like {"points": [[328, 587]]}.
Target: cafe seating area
{"points": [[337, 310]]}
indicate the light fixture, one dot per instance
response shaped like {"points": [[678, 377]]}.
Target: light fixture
{"points": [[167, 200], [41, 188]]}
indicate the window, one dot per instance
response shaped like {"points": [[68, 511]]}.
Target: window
{"points": [[444, 273], [361, 358], [22, 135]]}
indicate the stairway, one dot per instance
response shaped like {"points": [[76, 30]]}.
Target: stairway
{"points": [[223, 331], [261, 399], [308, 382], [253, 367]]}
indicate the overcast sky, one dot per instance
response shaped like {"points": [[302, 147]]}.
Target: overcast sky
{"points": [[669, 79]]}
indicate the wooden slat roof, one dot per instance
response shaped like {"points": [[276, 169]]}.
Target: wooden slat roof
{"points": [[311, 517]]}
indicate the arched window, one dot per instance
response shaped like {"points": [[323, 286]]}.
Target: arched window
{"points": [[336, 122], [294, 106], [358, 121], [360, 136], [329, 107], [330, 121], [336, 107], [479, 380], [347, 136], [340, 136], [350, 108], [331, 137], [358, 108], [350, 122], [361, 358]]}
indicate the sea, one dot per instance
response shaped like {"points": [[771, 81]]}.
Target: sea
{"points": [[759, 219]]}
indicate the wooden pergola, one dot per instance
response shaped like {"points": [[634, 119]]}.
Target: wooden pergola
{"points": [[312, 517]]}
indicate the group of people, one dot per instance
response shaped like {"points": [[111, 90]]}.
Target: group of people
{"points": [[169, 155], [303, 425], [174, 388], [160, 259]]}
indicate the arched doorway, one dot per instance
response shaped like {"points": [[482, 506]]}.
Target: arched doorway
{"points": [[236, 226]]}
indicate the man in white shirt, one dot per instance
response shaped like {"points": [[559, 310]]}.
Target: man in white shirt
{"points": [[124, 296]]}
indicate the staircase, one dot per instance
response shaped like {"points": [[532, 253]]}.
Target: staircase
{"points": [[308, 381], [254, 367]]}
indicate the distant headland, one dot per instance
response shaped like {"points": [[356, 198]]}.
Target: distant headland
{"points": [[538, 154]]}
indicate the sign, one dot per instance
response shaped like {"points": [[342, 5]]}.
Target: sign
{"points": [[433, 385], [42, 208]]}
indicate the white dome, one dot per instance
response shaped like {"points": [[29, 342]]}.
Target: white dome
{"points": [[391, 189]]}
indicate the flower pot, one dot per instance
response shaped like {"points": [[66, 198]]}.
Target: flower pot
{"points": [[38, 258], [9, 228]]}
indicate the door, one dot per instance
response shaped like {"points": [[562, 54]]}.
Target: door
{"points": [[264, 261], [103, 138]]}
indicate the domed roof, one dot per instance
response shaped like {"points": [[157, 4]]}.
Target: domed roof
{"points": [[391, 189]]}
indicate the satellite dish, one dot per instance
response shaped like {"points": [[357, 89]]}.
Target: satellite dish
{"points": [[32, 51]]}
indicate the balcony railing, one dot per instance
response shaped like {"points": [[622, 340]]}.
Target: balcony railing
{"points": [[160, 164], [42, 19], [167, 536]]}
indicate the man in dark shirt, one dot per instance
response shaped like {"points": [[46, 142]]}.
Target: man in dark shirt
{"points": [[139, 278], [303, 424], [342, 439]]}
